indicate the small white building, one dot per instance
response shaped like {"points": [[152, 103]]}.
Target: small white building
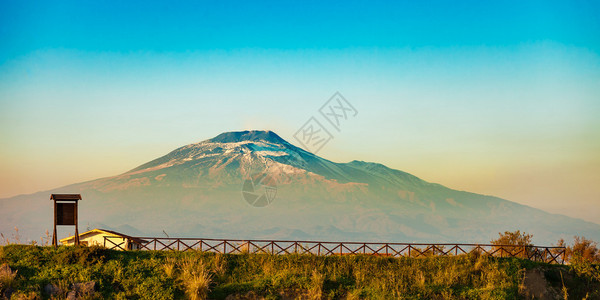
{"points": [[106, 238]]}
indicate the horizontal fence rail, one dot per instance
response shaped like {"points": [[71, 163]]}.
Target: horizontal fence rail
{"points": [[234, 246]]}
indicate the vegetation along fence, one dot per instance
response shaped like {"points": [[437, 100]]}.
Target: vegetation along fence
{"points": [[232, 246]]}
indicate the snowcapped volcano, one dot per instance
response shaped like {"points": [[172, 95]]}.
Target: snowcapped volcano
{"points": [[196, 190], [241, 148], [232, 155]]}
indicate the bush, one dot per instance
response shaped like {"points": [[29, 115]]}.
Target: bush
{"points": [[82, 255]]}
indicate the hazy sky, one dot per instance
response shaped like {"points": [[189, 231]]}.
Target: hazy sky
{"points": [[500, 99]]}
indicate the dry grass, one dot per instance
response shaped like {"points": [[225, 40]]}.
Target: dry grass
{"points": [[62, 289], [46, 240], [564, 290], [15, 239], [196, 278], [25, 296], [169, 266], [218, 265], [316, 285], [7, 277]]}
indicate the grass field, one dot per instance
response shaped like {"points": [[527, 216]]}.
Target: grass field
{"points": [[33, 272]]}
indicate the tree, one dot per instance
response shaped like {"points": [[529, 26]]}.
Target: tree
{"points": [[584, 257], [584, 249], [515, 238]]}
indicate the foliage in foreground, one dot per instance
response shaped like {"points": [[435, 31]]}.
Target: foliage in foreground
{"points": [[198, 275]]}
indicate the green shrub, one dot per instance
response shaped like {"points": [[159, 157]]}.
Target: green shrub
{"points": [[82, 255]]}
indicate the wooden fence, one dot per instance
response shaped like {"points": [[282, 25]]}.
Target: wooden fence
{"points": [[233, 246]]}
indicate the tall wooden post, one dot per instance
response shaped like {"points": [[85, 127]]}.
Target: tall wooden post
{"points": [[54, 241], [76, 231], [65, 213]]}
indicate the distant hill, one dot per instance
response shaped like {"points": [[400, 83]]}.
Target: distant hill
{"points": [[196, 190]]}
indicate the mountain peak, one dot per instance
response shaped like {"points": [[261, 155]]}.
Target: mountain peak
{"points": [[248, 135]]}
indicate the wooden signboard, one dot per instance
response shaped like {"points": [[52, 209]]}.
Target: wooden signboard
{"points": [[65, 213]]}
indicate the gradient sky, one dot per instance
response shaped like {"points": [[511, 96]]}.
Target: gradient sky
{"points": [[500, 99]]}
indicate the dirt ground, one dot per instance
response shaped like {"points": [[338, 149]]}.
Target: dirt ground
{"points": [[535, 286]]}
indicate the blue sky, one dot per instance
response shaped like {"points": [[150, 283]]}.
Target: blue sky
{"points": [[207, 25], [497, 98]]}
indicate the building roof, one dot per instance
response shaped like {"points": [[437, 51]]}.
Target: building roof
{"points": [[105, 232], [65, 197]]}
